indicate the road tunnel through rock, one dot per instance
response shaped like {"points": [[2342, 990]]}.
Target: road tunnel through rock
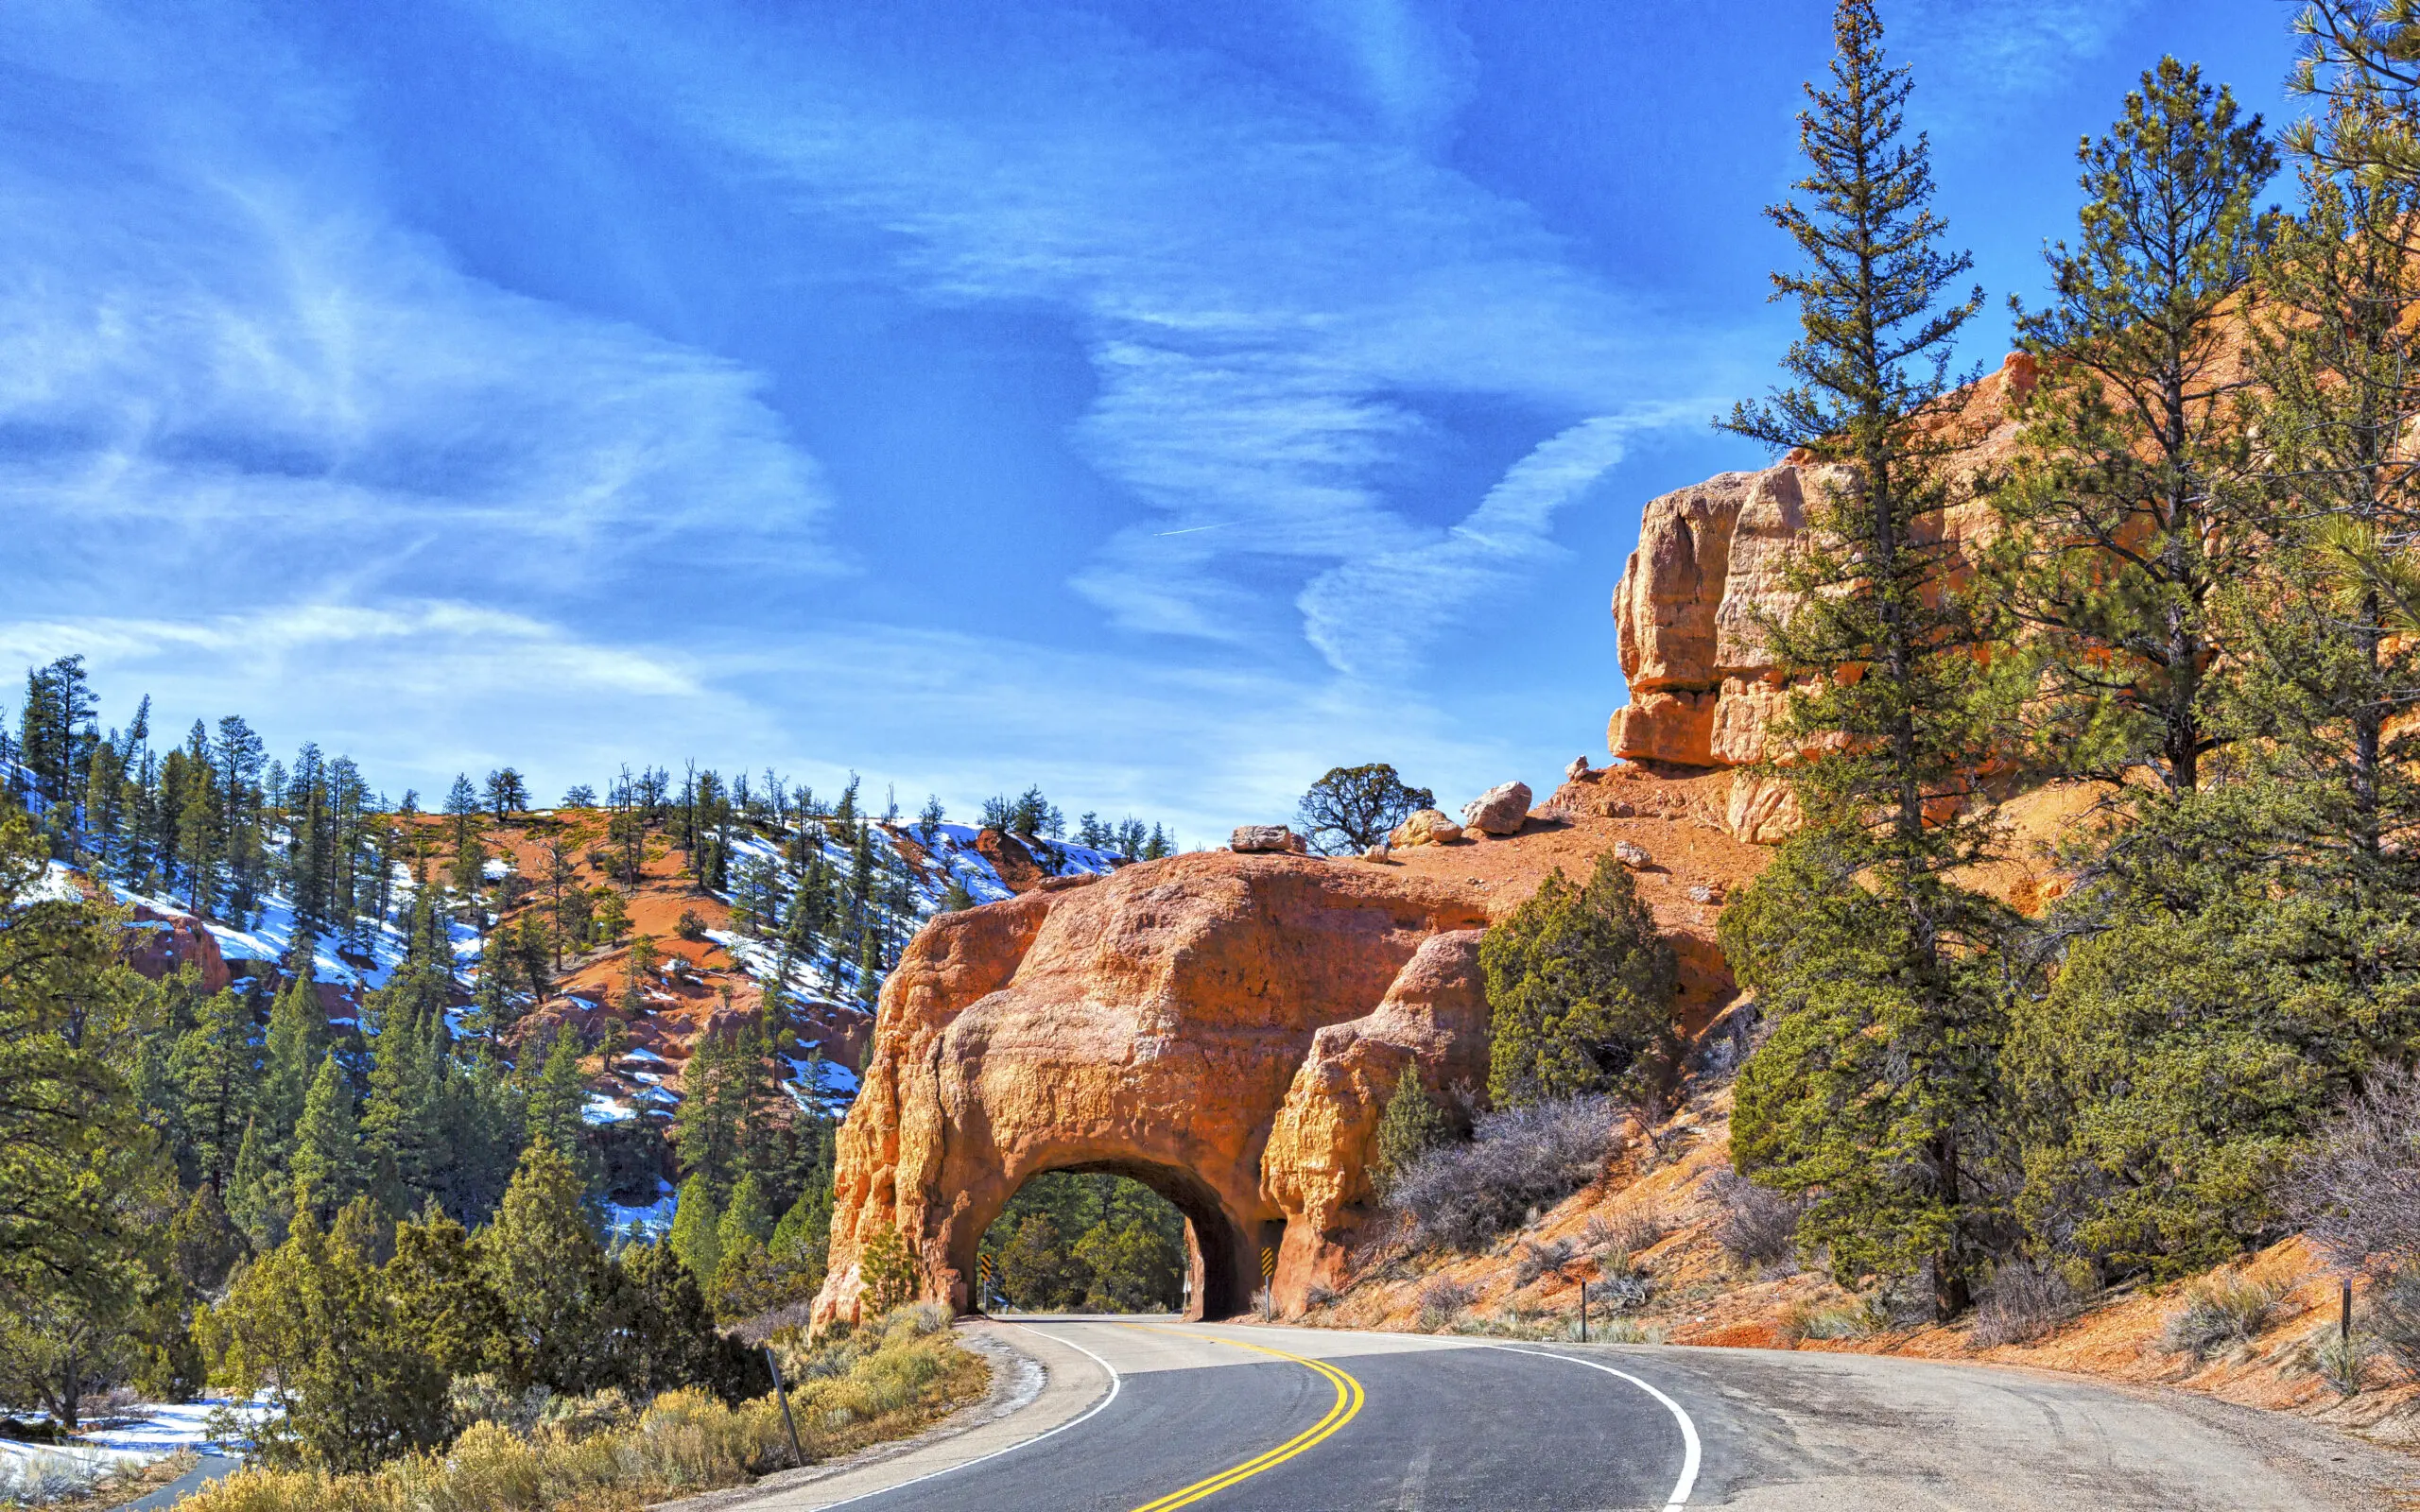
{"points": [[1161, 1241]]}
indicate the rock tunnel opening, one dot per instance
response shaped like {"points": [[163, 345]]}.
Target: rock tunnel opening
{"points": [[1210, 1262]]}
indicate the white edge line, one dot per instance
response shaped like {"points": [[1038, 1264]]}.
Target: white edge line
{"points": [[1689, 1453], [1115, 1380]]}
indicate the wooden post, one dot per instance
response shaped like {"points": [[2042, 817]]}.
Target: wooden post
{"points": [[798, 1456], [1583, 1312], [2345, 1320]]}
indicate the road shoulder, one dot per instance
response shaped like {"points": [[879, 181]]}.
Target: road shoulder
{"points": [[1039, 1384]]}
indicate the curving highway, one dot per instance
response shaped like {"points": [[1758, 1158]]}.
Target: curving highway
{"points": [[1152, 1415]]}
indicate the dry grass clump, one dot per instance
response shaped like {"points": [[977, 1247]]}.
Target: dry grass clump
{"points": [[1757, 1227], [2221, 1312], [1624, 1286], [1628, 1232], [2023, 1302], [2338, 1358], [1542, 1260], [1802, 1322], [1442, 1300], [883, 1381]]}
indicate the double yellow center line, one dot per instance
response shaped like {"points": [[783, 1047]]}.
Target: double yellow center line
{"points": [[1348, 1401]]}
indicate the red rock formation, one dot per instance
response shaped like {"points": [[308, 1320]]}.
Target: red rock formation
{"points": [[1316, 1170], [1009, 858], [158, 945], [1709, 566], [1150, 1023]]}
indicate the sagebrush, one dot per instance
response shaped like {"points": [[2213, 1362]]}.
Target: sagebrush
{"points": [[1462, 1194]]}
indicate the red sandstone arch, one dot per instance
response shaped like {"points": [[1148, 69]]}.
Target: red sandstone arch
{"points": [[1225, 1027]]}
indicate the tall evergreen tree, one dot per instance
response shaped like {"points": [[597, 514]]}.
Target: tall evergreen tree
{"points": [[1893, 753], [2325, 633], [697, 1230], [405, 1118], [297, 1042], [328, 1165], [2130, 505], [217, 1066], [542, 1260], [199, 821]]}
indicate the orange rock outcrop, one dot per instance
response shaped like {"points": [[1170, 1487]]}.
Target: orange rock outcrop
{"points": [[1433, 1022], [158, 945], [1154, 1023], [1710, 568], [1226, 1028]]}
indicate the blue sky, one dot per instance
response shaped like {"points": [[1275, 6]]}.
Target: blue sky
{"points": [[1158, 403]]}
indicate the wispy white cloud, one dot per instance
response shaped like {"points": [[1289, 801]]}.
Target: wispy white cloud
{"points": [[1265, 287], [1374, 615], [2014, 48], [222, 356]]}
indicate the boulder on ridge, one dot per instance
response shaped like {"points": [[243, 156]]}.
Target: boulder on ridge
{"points": [[1499, 810]]}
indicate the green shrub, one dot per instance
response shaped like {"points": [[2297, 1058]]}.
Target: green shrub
{"points": [[1578, 993], [1412, 1124], [889, 1271]]}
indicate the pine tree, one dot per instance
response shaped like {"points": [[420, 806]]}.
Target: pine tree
{"points": [[405, 1117], [697, 1230], [2326, 634], [468, 877], [441, 1297], [492, 1006], [568, 900], [558, 1098], [311, 1324], [198, 822], [1893, 753], [328, 1165], [297, 1041], [217, 1066], [259, 1200], [804, 1234], [77, 1161], [707, 1126], [104, 800], [2131, 503], [532, 945], [542, 1261], [2241, 955], [50, 742], [1412, 1124], [204, 1245]]}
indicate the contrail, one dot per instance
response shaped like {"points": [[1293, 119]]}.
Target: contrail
{"points": [[1190, 529]]}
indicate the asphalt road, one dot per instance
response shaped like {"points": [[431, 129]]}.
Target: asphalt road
{"points": [[1152, 1415], [1250, 1419]]}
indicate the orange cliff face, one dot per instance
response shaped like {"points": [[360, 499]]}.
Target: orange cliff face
{"points": [[1710, 568]]}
